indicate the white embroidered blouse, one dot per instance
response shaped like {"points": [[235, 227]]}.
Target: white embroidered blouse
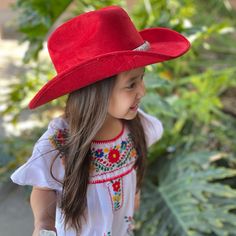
{"points": [[112, 180]]}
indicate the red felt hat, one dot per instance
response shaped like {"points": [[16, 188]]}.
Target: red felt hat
{"points": [[98, 44]]}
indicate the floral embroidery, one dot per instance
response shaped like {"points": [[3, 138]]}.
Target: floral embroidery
{"points": [[106, 150], [58, 139], [114, 155], [105, 160], [107, 234], [131, 225], [123, 145], [116, 186], [133, 153], [115, 189], [99, 153]]}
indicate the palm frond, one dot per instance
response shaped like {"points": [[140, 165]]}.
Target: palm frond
{"points": [[184, 196]]}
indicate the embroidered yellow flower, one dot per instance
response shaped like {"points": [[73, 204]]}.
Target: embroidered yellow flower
{"points": [[116, 198], [133, 153], [52, 142], [106, 150]]}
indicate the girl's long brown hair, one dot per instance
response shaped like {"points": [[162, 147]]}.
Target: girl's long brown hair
{"points": [[85, 112]]}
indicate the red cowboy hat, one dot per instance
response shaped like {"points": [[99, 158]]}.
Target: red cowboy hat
{"points": [[102, 43]]}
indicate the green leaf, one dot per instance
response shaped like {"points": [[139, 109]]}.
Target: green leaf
{"points": [[186, 201]]}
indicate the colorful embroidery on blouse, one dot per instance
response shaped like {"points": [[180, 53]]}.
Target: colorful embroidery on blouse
{"points": [[114, 155], [58, 139], [107, 234], [130, 225], [115, 188], [105, 160]]}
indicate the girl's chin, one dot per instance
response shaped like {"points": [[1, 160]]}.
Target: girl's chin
{"points": [[128, 115], [131, 114]]}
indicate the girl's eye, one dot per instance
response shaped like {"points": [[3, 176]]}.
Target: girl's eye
{"points": [[131, 86]]}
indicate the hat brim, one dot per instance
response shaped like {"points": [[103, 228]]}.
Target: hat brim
{"points": [[165, 44]]}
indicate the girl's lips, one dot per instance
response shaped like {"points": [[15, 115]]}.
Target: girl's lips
{"points": [[135, 107]]}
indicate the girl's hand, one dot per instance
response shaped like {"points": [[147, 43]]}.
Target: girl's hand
{"points": [[44, 232], [137, 201]]}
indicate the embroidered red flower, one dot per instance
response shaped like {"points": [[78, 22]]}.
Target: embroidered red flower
{"points": [[116, 186], [58, 139], [114, 155], [61, 136]]}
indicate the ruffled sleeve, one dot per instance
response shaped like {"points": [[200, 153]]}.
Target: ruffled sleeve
{"points": [[153, 128], [36, 171]]}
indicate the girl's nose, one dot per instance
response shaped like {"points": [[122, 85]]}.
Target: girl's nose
{"points": [[141, 90]]}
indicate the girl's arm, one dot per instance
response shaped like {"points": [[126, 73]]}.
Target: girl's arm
{"points": [[43, 204]]}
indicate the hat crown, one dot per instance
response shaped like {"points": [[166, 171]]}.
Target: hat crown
{"points": [[92, 34]]}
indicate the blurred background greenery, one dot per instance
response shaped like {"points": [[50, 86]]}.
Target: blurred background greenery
{"points": [[190, 183]]}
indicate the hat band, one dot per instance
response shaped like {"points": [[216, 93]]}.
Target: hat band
{"points": [[144, 47]]}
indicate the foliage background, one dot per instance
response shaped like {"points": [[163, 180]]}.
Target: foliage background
{"points": [[190, 182]]}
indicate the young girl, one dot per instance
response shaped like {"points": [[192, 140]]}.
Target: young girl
{"points": [[87, 168]]}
